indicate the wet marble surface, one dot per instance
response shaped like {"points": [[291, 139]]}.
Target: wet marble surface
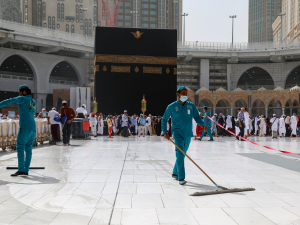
{"points": [[128, 181]]}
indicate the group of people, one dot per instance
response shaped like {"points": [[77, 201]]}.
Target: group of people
{"points": [[125, 125]]}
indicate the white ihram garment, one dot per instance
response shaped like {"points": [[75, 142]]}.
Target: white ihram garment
{"points": [[294, 125], [100, 126], [93, 125], [282, 129]]}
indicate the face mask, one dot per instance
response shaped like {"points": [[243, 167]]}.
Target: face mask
{"points": [[183, 98]]}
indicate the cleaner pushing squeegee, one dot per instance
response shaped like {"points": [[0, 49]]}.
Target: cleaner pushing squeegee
{"points": [[182, 113]]}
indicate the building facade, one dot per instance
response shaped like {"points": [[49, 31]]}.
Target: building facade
{"points": [[289, 23], [262, 14]]}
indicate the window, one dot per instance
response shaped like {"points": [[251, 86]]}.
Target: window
{"points": [[67, 28], [95, 14], [153, 6], [120, 17], [86, 27], [49, 22], [45, 25], [153, 19], [120, 24], [72, 20], [153, 0], [128, 24], [58, 26], [145, 18], [39, 15], [153, 13], [145, 5], [128, 4], [81, 27], [128, 18], [95, 1], [90, 27], [62, 12], [72, 29], [77, 13], [145, 12], [26, 11], [80, 13], [80, 0], [145, 25], [58, 12], [127, 11], [153, 25], [44, 11], [94, 28], [53, 23]]}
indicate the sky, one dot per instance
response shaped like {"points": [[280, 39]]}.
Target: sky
{"points": [[208, 20]]}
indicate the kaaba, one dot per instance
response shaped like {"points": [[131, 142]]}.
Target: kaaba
{"points": [[131, 63]]}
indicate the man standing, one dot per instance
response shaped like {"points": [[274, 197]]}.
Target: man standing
{"points": [[53, 119], [207, 124], [142, 125], [182, 113], [81, 112], [100, 124], [282, 129], [214, 125], [133, 125], [246, 122], [125, 123], [241, 120], [67, 127], [93, 125], [27, 128], [294, 121], [148, 126], [274, 121]]}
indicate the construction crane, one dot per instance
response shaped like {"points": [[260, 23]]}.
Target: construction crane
{"points": [[110, 21]]}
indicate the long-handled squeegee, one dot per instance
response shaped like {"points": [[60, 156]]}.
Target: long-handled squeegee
{"points": [[221, 190]]}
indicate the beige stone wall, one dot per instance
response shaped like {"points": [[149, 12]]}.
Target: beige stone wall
{"points": [[64, 94]]}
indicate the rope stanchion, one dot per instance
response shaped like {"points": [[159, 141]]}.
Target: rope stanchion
{"points": [[285, 152]]}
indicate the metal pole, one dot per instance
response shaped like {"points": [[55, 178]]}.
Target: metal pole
{"points": [[184, 30], [232, 29]]}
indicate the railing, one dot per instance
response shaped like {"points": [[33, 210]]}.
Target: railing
{"points": [[65, 82], [8, 76], [195, 45], [19, 28]]}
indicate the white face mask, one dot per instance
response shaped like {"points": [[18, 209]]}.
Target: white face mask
{"points": [[183, 98]]}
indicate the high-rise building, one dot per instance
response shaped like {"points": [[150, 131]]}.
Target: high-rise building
{"points": [[262, 14], [159, 14], [73, 16], [288, 22]]}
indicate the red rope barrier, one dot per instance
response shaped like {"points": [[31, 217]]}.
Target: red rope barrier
{"points": [[285, 152]]}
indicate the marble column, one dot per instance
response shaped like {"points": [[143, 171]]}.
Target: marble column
{"points": [[231, 111], [282, 110], [266, 112], [214, 110]]}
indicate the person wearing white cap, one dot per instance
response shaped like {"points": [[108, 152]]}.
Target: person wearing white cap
{"points": [[214, 125], [282, 129], [148, 126], [125, 123], [70, 114], [294, 121], [274, 121], [81, 112], [54, 120]]}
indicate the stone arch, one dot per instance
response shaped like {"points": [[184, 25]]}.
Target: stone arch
{"points": [[291, 106], [28, 62], [223, 103], [206, 102], [292, 78], [240, 103], [258, 107], [223, 106], [274, 107], [254, 78], [54, 64]]}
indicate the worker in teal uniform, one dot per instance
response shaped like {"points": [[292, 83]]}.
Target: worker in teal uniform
{"points": [[207, 124], [182, 113], [27, 128]]}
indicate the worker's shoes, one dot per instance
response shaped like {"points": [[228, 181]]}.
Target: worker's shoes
{"points": [[182, 182], [18, 173], [175, 176], [211, 140], [200, 139]]}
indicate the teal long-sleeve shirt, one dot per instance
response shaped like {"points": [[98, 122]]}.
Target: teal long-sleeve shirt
{"points": [[182, 115], [27, 108], [206, 119]]}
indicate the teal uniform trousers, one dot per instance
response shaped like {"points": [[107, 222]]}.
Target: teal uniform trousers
{"points": [[207, 123], [181, 126], [26, 135]]}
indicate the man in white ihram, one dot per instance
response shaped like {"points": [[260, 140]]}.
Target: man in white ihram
{"points": [[81, 112], [274, 121], [246, 120], [282, 129], [294, 124]]}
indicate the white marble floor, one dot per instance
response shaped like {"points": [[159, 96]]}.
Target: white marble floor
{"points": [[128, 181]]}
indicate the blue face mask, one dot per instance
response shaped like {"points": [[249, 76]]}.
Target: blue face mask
{"points": [[183, 98]]}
